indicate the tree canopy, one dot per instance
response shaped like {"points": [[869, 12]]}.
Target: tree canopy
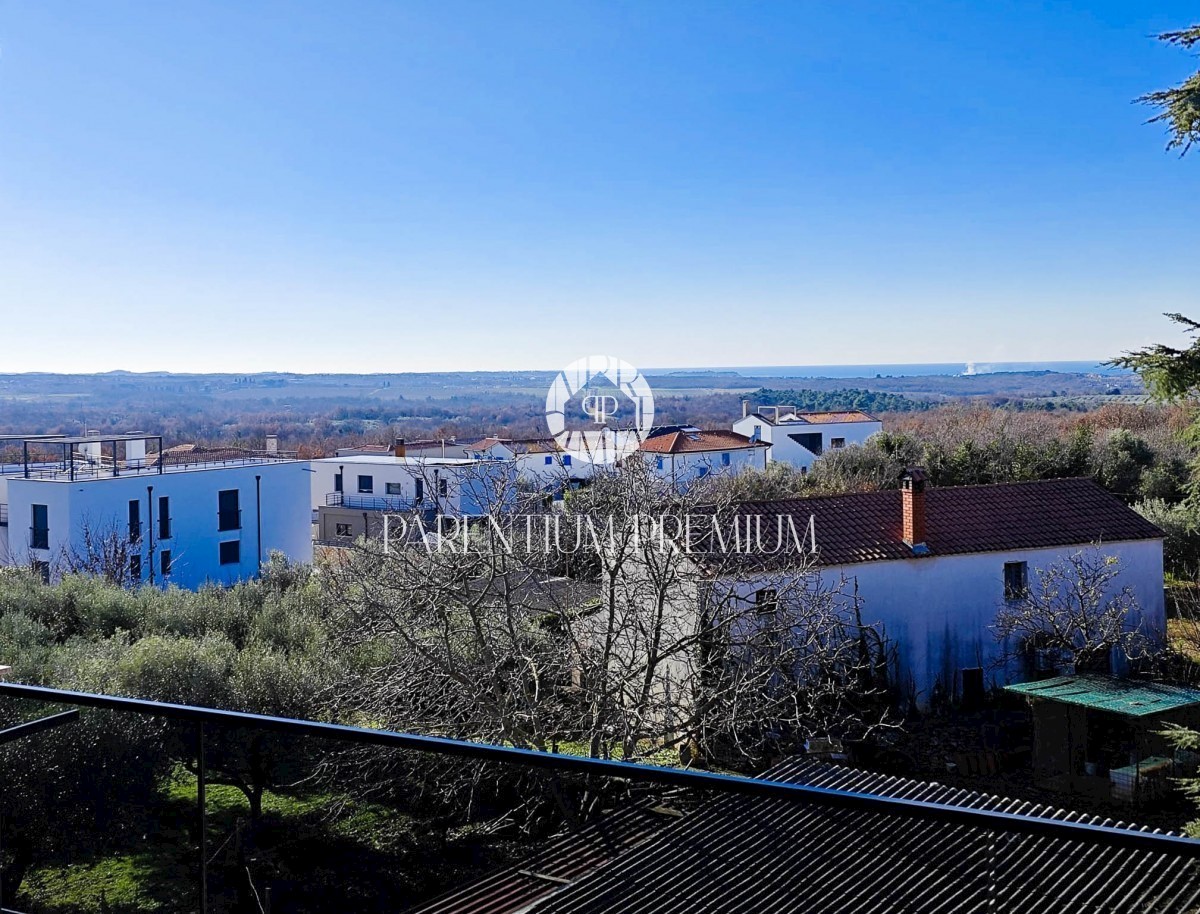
{"points": [[1179, 106]]}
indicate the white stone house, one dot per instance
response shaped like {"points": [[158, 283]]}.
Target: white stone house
{"points": [[684, 454], [187, 516], [799, 438], [934, 567]]}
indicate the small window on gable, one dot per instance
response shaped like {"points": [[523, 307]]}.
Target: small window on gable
{"points": [[766, 601], [725, 460], [549, 460], [566, 460], [658, 463], [1016, 580]]}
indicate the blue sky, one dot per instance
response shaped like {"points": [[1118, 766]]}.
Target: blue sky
{"points": [[418, 186]]}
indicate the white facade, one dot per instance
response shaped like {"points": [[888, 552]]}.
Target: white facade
{"points": [[684, 468], [399, 484], [800, 438], [939, 611], [49, 513]]}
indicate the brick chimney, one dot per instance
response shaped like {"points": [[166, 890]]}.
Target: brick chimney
{"points": [[398, 449], [913, 501]]}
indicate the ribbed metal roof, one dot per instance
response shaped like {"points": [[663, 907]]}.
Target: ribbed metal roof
{"points": [[1118, 696]]}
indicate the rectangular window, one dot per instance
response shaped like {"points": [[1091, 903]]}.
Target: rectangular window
{"points": [[395, 488], [766, 601], [725, 460], [343, 530], [549, 460], [419, 496], [366, 485], [1016, 580], [443, 487], [135, 520], [135, 567], [658, 463], [42, 570], [566, 460], [337, 482], [164, 562], [229, 513], [164, 518], [837, 442], [231, 553], [39, 530]]}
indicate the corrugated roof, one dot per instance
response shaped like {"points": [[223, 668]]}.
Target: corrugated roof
{"points": [[867, 526], [564, 859], [1119, 696], [758, 855]]}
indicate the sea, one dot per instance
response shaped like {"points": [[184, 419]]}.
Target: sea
{"points": [[894, 371]]}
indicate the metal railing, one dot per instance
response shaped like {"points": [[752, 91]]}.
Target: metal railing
{"points": [[370, 502], [39, 538]]}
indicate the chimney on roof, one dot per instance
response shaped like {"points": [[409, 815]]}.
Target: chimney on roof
{"points": [[913, 501], [398, 448], [272, 445], [745, 408]]}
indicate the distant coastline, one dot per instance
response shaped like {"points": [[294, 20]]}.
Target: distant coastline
{"points": [[895, 371]]}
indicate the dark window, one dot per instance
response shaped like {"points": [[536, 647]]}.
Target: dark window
{"points": [[566, 460], [766, 601], [443, 487], [42, 570], [549, 460], [39, 532], [337, 482], [164, 518], [135, 567], [231, 553], [135, 521], [395, 488], [809, 440], [658, 463], [1016, 580], [164, 562], [343, 530], [366, 484], [703, 471], [724, 460], [837, 442], [420, 491], [229, 513]]}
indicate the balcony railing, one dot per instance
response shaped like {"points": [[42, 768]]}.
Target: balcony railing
{"points": [[396, 503], [39, 538]]}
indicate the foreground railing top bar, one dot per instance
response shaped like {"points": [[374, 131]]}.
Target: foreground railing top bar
{"points": [[1127, 839]]}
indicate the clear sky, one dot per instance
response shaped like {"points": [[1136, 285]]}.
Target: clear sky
{"points": [[360, 186]]}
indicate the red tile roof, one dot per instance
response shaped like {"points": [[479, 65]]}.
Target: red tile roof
{"points": [[866, 527], [705, 440]]}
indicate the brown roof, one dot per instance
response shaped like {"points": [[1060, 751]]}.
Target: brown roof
{"points": [[866, 526], [705, 440], [741, 854]]}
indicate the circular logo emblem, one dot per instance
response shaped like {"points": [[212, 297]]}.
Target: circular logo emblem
{"points": [[616, 417]]}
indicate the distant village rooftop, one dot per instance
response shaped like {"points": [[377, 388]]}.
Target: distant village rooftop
{"points": [[691, 440], [789, 415]]}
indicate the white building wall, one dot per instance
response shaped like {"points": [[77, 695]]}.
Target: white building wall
{"points": [[938, 611], [102, 503], [471, 486], [685, 468], [785, 450]]}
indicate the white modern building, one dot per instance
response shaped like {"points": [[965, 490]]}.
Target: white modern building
{"points": [[933, 568], [187, 516], [350, 495], [683, 454], [799, 438]]}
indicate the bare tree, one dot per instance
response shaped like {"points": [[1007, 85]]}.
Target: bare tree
{"points": [[599, 625], [102, 550], [1076, 607]]}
